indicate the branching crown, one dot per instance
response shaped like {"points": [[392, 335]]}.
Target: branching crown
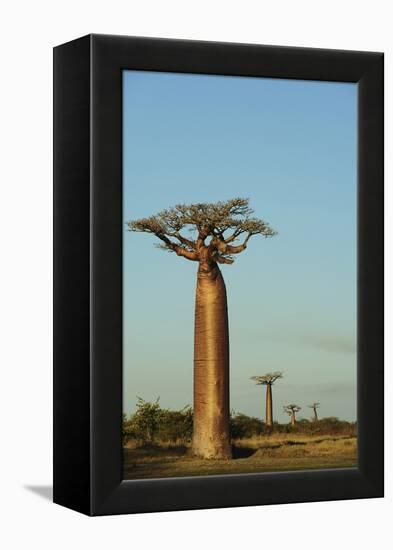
{"points": [[214, 227], [268, 378]]}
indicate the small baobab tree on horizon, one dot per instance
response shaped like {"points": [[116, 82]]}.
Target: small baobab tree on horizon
{"points": [[292, 409], [268, 380], [314, 407], [215, 231]]}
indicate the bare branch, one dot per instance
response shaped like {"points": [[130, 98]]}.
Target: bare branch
{"points": [[240, 248], [234, 236], [180, 251], [224, 260], [183, 240]]}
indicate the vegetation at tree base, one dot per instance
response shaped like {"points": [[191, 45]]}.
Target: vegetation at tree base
{"points": [[151, 424]]}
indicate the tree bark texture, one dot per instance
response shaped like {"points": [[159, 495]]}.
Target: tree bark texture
{"points": [[211, 367], [269, 405]]}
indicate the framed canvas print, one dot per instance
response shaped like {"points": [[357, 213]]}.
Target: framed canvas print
{"points": [[218, 275]]}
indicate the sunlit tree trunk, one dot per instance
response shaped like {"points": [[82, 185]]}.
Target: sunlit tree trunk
{"points": [[211, 367], [293, 419], [269, 405]]}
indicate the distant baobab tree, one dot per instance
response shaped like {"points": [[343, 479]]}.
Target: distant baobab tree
{"points": [[292, 409], [314, 407], [214, 226], [268, 380]]}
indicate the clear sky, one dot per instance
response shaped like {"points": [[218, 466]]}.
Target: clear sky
{"points": [[290, 147]]}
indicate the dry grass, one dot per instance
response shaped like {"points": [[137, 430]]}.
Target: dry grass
{"points": [[277, 452], [138, 443]]}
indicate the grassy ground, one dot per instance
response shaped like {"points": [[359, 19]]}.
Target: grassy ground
{"points": [[267, 453]]}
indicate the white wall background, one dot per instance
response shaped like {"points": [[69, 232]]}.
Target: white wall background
{"points": [[28, 32]]}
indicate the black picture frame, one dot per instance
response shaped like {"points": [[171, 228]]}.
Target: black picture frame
{"points": [[88, 274]]}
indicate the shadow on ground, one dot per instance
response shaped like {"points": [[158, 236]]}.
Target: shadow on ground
{"points": [[242, 452], [44, 491]]}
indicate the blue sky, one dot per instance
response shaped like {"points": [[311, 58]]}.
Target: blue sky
{"points": [[290, 147]]}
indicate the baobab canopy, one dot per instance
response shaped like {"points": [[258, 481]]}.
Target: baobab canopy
{"points": [[223, 222], [268, 378], [292, 408]]}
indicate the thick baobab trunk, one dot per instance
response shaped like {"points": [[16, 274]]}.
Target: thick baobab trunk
{"points": [[211, 367], [269, 405], [293, 419]]}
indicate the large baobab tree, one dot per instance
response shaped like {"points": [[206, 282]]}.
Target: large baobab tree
{"points": [[268, 380], [292, 409], [216, 229], [314, 407]]}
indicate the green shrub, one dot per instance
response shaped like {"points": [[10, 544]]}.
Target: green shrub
{"points": [[242, 426], [144, 424], [175, 425]]}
